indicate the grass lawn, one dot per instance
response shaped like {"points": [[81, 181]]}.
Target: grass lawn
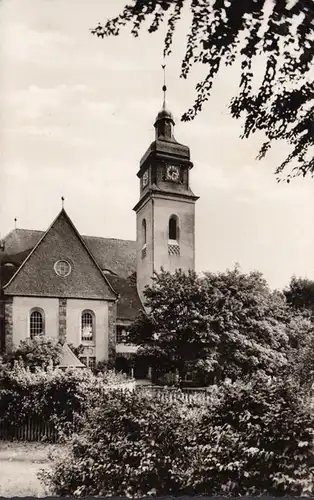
{"points": [[19, 464]]}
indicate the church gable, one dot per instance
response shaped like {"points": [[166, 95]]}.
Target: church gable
{"points": [[60, 265]]}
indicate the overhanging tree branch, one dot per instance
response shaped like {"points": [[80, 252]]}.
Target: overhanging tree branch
{"points": [[225, 31]]}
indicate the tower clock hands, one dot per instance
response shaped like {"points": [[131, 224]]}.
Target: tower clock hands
{"points": [[173, 173]]}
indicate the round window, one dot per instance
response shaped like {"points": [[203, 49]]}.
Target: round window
{"points": [[62, 268]]}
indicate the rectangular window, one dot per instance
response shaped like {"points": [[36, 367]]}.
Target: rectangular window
{"points": [[89, 361], [92, 362], [121, 334]]}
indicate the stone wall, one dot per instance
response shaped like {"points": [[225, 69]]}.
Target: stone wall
{"points": [[112, 313], [62, 319], [8, 323]]}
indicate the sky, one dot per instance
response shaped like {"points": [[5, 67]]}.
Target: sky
{"points": [[77, 114]]}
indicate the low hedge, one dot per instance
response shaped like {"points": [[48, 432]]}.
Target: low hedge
{"points": [[257, 438], [53, 395]]}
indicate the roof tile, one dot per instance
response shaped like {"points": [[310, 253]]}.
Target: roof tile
{"points": [[119, 256]]}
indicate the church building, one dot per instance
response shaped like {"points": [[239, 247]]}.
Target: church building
{"points": [[87, 290]]}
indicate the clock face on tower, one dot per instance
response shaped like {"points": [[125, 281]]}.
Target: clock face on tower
{"points": [[145, 178], [172, 173]]}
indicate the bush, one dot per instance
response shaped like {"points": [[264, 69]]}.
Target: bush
{"points": [[254, 439], [58, 396], [104, 366], [131, 444], [257, 440], [37, 352]]}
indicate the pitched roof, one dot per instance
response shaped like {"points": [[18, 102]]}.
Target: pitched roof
{"points": [[118, 256], [115, 255], [129, 304], [36, 276], [69, 360]]}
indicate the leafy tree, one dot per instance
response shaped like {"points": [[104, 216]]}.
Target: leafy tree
{"points": [[300, 294], [257, 440], [37, 352], [221, 325], [225, 31], [175, 333]]}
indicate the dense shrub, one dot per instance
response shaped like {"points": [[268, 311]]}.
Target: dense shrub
{"points": [[54, 395], [254, 439], [132, 444], [39, 351], [257, 440]]}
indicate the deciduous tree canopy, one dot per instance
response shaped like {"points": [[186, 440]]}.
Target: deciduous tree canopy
{"points": [[300, 294], [278, 32], [223, 325]]}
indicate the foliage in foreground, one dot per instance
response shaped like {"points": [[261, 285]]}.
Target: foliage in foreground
{"points": [[52, 395], [132, 444], [225, 31], [39, 351], [256, 439]]}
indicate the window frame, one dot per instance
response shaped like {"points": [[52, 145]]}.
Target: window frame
{"points": [[144, 232], [121, 332], [86, 360], [144, 237], [86, 341], [32, 311], [91, 362], [175, 240], [56, 265]]}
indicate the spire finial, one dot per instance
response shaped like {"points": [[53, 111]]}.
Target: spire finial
{"points": [[15, 221], [164, 88], [62, 201]]}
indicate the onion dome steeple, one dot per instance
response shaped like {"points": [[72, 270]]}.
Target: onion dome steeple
{"points": [[164, 122], [165, 147]]}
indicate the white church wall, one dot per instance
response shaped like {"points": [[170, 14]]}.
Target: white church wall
{"points": [[22, 307], [99, 308]]}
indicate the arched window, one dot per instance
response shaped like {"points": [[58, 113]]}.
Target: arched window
{"points": [[144, 232], [87, 326], [173, 231], [36, 323], [144, 238]]}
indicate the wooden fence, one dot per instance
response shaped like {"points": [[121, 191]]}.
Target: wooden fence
{"points": [[31, 430], [35, 429], [186, 395]]}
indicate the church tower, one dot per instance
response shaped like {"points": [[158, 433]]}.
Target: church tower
{"points": [[165, 212]]}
